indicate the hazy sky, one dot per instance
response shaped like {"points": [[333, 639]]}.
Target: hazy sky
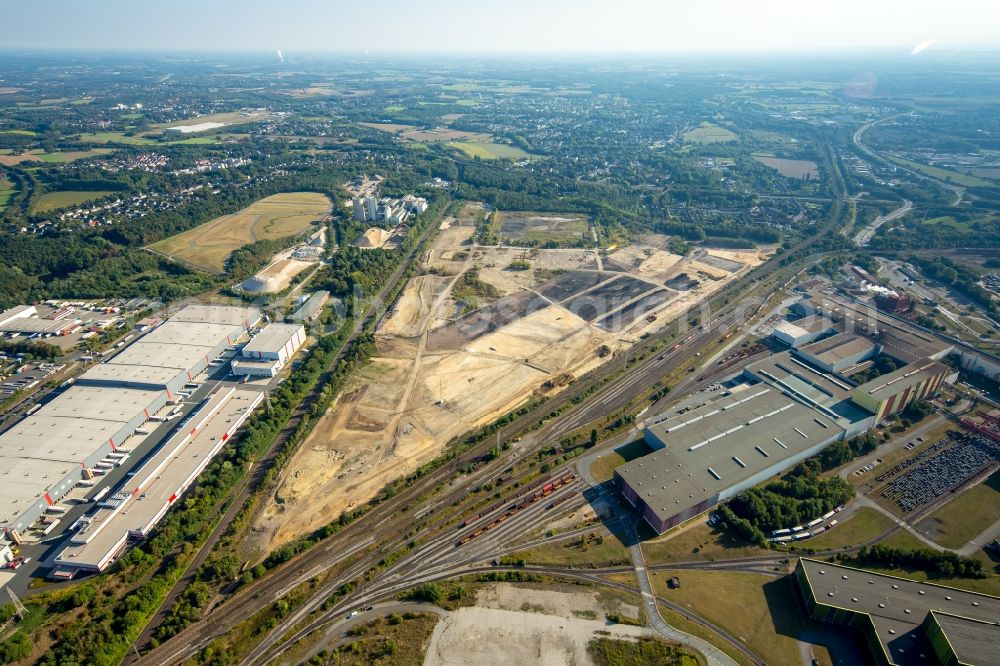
{"points": [[383, 26]]}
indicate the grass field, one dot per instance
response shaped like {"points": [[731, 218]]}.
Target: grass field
{"points": [[209, 245], [678, 621], [947, 175], [394, 109], [393, 639], [6, 192], [586, 550], [115, 137], [19, 131], [709, 133], [41, 156], [53, 200], [958, 521], [697, 541], [488, 150], [644, 651], [864, 525], [119, 137], [759, 610], [949, 221], [603, 468]]}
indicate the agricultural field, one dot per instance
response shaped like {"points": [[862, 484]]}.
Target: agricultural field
{"points": [[42, 156], [947, 175], [6, 192], [709, 133], [567, 228], [433, 135], [209, 245], [487, 150], [55, 200], [798, 169]]}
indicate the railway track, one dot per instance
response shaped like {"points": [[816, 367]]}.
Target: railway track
{"points": [[384, 521]]}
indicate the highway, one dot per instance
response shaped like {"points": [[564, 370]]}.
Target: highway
{"points": [[864, 236], [959, 192]]}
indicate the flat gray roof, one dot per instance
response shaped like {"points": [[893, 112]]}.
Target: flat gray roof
{"points": [[896, 604], [273, 337], [728, 441], [190, 333], [789, 328], [110, 373], [818, 385], [838, 347], [39, 451], [44, 449], [974, 641], [893, 382], [154, 354], [312, 304], [218, 314], [35, 325], [156, 485]]}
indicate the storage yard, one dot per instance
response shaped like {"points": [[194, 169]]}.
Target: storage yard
{"points": [[943, 468], [439, 372], [89, 427]]}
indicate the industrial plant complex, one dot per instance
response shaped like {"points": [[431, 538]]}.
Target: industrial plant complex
{"points": [[391, 213], [775, 413]]}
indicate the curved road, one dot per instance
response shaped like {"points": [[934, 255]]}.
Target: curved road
{"points": [[959, 192]]}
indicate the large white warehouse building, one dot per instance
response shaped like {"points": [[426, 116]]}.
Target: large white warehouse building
{"points": [[47, 453]]}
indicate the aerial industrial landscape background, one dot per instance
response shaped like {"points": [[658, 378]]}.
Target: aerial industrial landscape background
{"points": [[536, 333]]}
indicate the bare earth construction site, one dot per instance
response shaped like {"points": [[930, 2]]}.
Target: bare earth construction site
{"points": [[443, 367]]}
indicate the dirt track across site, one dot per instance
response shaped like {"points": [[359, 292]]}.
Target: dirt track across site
{"points": [[438, 375]]}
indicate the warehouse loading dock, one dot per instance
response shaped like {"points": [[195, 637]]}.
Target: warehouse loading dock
{"points": [[47, 453], [135, 508]]}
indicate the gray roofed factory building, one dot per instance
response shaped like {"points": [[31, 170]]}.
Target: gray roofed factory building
{"points": [[710, 453], [46, 453], [839, 352], [311, 308], [903, 621]]}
